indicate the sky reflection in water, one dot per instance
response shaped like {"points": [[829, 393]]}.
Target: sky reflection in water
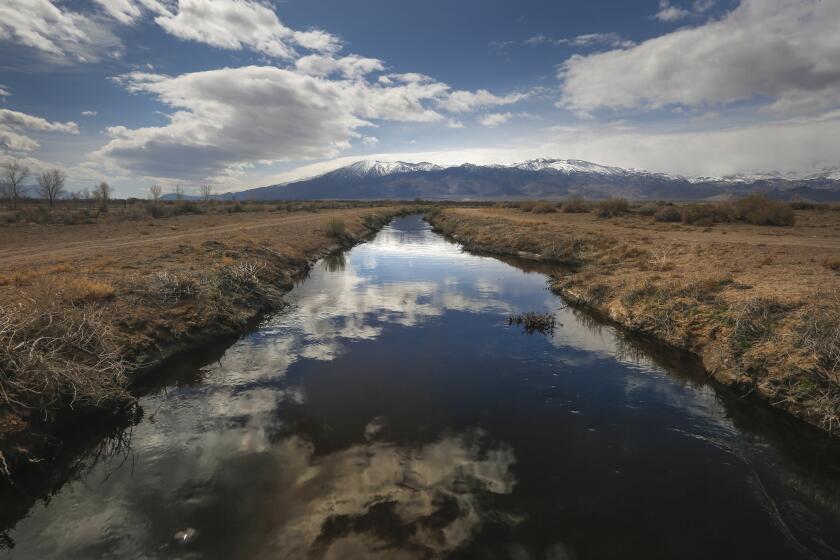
{"points": [[391, 412]]}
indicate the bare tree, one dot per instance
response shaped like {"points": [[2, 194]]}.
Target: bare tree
{"points": [[155, 191], [14, 174], [102, 194], [51, 184], [206, 191], [179, 193]]}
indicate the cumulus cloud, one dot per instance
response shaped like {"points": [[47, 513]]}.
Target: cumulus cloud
{"points": [[57, 33], [233, 117], [4, 92], [239, 24], [463, 101], [668, 12], [495, 119], [613, 40], [787, 51], [370, 140], [226, 120], [13, 123], [352, 66]]}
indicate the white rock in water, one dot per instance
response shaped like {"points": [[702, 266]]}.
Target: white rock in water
{"points": [[186, 536]]}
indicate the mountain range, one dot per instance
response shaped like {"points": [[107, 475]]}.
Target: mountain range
{"points": [[538, 179]]}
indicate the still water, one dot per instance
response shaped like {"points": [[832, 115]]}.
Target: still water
{"points": [[391, 412]]}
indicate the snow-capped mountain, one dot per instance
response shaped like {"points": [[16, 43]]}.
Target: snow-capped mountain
{"points": [[368, 168], [537, 178]]}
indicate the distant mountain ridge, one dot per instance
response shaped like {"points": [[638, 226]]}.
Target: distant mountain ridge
{"points": [[536, 178]]}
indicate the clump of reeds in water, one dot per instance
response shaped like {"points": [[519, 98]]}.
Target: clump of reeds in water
{"points": [[533, 322]]}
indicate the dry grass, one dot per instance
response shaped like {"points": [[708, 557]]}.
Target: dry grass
{"points": [[52, 355], [612, 207], [84, 290], [749, 300], [17, 278]]}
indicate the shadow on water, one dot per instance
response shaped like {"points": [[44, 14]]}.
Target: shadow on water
{"points": [[390, 412]]}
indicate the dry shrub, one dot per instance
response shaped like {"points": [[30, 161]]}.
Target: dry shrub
{"points": [[832, 263], [648, 209], [706, 214], [169, 287], [336, 227], [84, 290], [760, 210], [527, 205], [544, 208], [61, 355], [612, 207], [668, 214], [566, 252], [576, 205], [819, 333]]}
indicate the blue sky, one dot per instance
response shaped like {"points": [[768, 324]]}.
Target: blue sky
{"points": [[244, 93]]}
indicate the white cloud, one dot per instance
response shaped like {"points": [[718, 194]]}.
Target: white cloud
{"points": [[239, 24], [57, 33], [4, 92], [495, 119], [227, 119], [787, 51], [613, 40], [669, 13], [13, 123], [89, 113], [464, 101], [370, 140], [124, 11], [352, 66]]}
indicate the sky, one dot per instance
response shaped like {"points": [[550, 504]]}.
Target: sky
{"points": [[246, 93]]}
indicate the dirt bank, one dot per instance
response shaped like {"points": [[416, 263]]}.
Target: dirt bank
{"points": [[86, 309], [759, 305]]}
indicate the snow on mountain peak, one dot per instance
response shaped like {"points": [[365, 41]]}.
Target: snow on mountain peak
{"points": [[375, 168]]}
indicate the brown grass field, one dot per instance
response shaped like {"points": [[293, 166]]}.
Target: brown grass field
{"points": [[84, 308], [759, 304]]}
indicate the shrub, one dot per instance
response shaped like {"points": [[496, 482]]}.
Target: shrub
{"points": [[799, 204], [706, 214], [612, 207], [544, 208], [832, 262], [527, 205], [575, 205], [760, 210], [668, 214], [171, 288], [648, 209], [336, 227]]}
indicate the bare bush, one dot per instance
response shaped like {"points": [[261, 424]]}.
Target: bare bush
{"points": [[575, 205], [169, 287], [51, 356], [544, 208], [612, 207], [102, 194], [706, 214], [206, 191], [760, 210], [668, 214]]}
